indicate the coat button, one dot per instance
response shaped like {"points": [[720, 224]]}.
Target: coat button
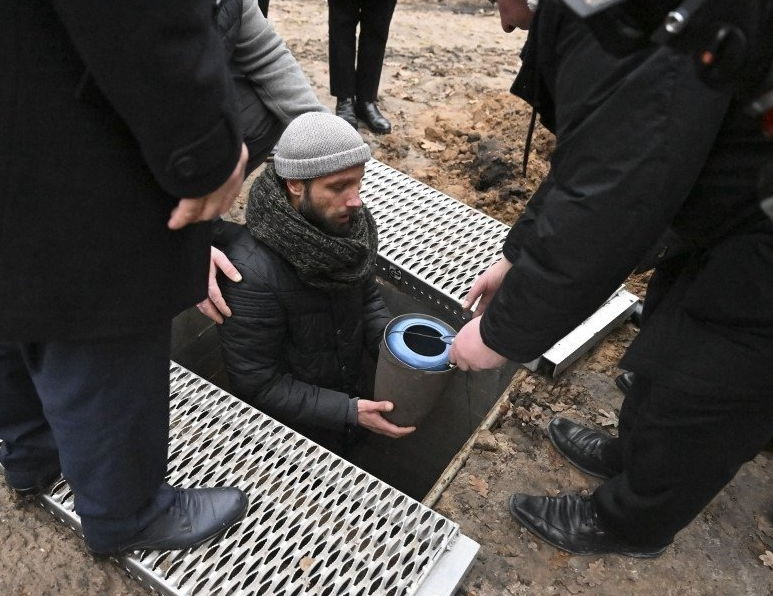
{"points": [[338, 332], [186, 166], [343, 368]]}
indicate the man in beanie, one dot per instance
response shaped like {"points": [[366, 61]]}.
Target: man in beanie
{"points": [[308, 304]]}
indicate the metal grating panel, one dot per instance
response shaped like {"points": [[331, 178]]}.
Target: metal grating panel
{"points": [[431, 246], [315, 525]]}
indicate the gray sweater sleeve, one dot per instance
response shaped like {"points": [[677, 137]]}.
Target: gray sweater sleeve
{"points": [[262, 56]]}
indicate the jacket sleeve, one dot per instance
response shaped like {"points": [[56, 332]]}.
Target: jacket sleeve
{"points": [[632, 135], [262, 56], [252, 345], [375, 316], [162, 68]]}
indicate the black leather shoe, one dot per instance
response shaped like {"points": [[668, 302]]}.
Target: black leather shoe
{"points": [[581, 446], [345, 110], [624, 382], [570, 522], [36, 488], [367, 111], [196, 515]]}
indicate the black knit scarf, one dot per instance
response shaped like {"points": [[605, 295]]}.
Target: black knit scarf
{"points": [[330, 263]]}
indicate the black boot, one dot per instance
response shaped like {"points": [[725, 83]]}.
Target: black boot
{"points": [[581, 446], [367, 111], [196, 515], [570, 522], [345, 110], [624, 382]]}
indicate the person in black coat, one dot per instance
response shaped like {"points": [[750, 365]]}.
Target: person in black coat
{"points": [[355, 64], [119, 141], [308, 305], [643, 144]]}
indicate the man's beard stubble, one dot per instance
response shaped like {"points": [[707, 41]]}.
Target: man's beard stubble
{"points": [[318, 220]]}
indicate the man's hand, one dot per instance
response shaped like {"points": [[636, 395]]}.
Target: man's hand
{"points": [[486, 286], [209, 206], [469, 352], [214, 305], [369, 416]]}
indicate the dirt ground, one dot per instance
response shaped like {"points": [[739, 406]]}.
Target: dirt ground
{"points": [[445, 86]]}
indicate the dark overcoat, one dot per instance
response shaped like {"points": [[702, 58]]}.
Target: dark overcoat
{"points": [[105, 123]]}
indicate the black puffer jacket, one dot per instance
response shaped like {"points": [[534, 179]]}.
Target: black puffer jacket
{"points": [[291, 350]]}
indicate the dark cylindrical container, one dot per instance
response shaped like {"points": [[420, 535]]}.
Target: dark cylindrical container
{"points": [[413, 369]]}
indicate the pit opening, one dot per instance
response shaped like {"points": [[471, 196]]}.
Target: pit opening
{"points": [[412, 464]]}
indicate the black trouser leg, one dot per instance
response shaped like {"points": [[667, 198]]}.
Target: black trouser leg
{"points": [[660, 284], [107, 404], [28, 448], [343, 16], [682, 449], [375, 18], [614, 451]]}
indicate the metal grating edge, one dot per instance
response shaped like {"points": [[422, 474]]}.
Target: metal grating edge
{"points": [[316, 524], [567, 350]]}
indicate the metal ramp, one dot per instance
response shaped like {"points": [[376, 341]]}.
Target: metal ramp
{"points": [[315, 525]]}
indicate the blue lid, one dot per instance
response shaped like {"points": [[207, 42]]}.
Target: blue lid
{"points": [[415, 340]]}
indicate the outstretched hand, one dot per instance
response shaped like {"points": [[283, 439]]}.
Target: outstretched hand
{"points": [[369, 416], [469, 352], [209, 206], [486, 286], [214, 305]]}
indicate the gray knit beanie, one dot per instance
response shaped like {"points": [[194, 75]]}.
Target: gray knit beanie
{"points": [[317, 144]]}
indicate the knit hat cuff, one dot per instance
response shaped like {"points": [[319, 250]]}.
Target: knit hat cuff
{"points": [[305, 169]]}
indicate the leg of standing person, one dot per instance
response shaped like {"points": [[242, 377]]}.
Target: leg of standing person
{"points": [[375, 20], [691, 433], [343, 16], [596, 452], [28, 454], [683, 450], [111, 426], [661, 282], [700, 408]]}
